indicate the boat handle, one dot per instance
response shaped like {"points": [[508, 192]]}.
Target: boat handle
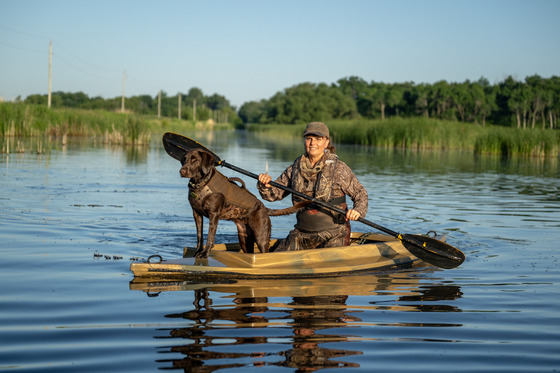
{"points": [[154, 257]]}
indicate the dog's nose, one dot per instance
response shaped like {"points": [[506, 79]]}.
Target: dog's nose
{"points": [[183, 172]]}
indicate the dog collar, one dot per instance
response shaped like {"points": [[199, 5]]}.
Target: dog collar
{"points": [[203, 182]]}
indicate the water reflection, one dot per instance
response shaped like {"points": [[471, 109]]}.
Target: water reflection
{"points": [[136, 154], [211, 344], [200, 352], [309, 316], [302, 324], [427, 294]]}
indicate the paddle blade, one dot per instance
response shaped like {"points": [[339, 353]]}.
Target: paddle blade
{"points": [[433, 251], [177, 146]]}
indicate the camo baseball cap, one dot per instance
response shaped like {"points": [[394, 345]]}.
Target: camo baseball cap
{"points": [[317, 129]]}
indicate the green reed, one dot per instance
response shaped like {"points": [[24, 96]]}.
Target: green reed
{"points": [[417, 133], [34, 128], [519, 142], [21, 120], [18, 120], [426, 133]]}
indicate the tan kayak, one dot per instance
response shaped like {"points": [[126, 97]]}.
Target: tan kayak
{"points": [[366, 252]]}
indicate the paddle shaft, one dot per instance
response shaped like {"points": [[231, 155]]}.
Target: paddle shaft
{"points": [[305, 196]]}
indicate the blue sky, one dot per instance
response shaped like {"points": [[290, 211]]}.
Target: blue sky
{"points": [[248, 50]]}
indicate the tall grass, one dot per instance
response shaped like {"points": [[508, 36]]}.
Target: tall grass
{"points": [[516, 142], [285, 131], [425, 133], [32, 121], [418, 133], [20, 121]]}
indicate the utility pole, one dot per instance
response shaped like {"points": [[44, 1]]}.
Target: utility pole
{"points": [[194, 110], [50, 74], [122, 99], [179, 104], [159, 104]]}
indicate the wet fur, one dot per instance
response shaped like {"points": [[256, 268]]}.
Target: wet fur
{"points": [[253, 226]]}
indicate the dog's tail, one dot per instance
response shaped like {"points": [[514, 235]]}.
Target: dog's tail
{"points": [[289, 210]]}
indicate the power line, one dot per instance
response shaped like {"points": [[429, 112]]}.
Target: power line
{"points": [[22, 48], [58, 55], [28, 34], [141, 85], [79, 69], [67, 55], [85, 60]]}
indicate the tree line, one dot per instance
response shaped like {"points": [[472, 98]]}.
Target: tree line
{"points": [[534, 102], [194, 105]]}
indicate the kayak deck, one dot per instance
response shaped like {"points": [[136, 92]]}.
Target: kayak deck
{"points": [[365, 253]]}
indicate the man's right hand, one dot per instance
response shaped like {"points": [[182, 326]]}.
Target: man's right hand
{"points": [[265, 180]]}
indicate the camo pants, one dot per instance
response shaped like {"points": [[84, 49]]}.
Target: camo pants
{"points": [[298, 240]]}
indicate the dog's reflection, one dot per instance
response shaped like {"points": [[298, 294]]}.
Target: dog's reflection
{"points": [[230, 337]]}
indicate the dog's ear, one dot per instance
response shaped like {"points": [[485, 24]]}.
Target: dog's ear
{"points": [[207, 162]]}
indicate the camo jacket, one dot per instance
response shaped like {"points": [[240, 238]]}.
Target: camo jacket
{"points": [[336, 180]]}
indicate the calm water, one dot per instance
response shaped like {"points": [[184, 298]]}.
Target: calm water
{"points": [[73, 221]]}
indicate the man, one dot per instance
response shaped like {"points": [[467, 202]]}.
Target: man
{"points": [[318, 173]]}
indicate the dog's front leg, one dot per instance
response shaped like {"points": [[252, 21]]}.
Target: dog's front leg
{"points": [[199, 222], [213, 204]]}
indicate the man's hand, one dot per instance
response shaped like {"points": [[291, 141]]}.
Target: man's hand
{"points": [[265, 180], [352, 214]]}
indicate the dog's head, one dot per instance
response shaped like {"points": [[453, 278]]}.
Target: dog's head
{"points": [[196, 163]]}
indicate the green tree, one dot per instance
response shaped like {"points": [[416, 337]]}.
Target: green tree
{"points": [[36, 99], [420, 94], [358, 90], [441, 101], [253, 112], [353, 86], [553, 101], [341, 106], [461, 98], [194, 93], [378, 93], [217, 102], [536, 88], [394, 97], [488, 101], [521, 100]]}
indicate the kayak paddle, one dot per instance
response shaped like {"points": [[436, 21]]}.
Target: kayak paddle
{"points": [[428, 249]]}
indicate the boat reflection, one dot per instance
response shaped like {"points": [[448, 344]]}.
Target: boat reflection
{"points": [[302, 324]]}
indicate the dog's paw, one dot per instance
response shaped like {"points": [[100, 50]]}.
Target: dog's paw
{"points": [[201, 254]]}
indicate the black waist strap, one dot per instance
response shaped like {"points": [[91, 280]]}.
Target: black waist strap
{"points": [[334, 201], [317, 219]]}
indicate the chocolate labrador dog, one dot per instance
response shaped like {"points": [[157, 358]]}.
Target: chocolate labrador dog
{"points": [[217, 197]]}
